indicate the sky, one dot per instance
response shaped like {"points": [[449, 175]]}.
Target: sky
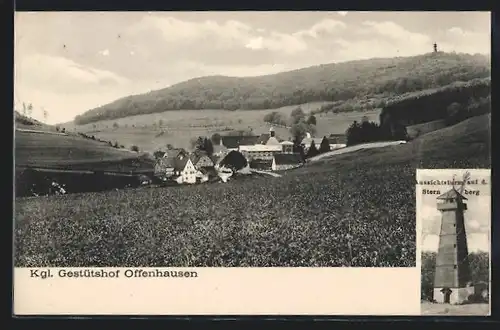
{"points": [[477, 216], [69, 62]]}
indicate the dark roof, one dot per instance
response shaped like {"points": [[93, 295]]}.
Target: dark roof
{"points": [[234, 142], [180, 163], [288, 159], [171, 153], [196, 156], [208, 170], [263, 138], [452, 193]]}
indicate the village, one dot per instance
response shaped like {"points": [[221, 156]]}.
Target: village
{"points": [[243, 154]]}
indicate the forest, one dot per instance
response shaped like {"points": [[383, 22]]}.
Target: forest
{"points": [[359, 80]]}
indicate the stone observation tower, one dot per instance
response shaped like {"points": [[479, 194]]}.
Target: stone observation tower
{"points": [[452, 268]]}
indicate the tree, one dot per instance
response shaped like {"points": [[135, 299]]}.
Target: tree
{"points": [[298, 148], [160, 123], [115, 125], [313, 151], [311, 120], [134, 148], [169, 146], [297, 115], [45, 115], [299, 129], [324, 146], [158, 154], [208, 147], [215, 138], [30, 109]]}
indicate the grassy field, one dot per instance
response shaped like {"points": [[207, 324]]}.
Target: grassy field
{"points": [[355, 209], [72, 152], [428, 308], [179, 127]]}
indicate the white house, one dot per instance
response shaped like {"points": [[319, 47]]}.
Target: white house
{"points": [[184, 168]]}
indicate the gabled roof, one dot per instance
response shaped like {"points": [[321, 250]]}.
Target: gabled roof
{"points": [[272, 141], [233, 142], [452, 193], [288, 159], [171, 153], [307, 141], [218, 149], [180, 163], [197, 155]]}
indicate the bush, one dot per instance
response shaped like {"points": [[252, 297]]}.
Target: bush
{"points": [[134, 148]]}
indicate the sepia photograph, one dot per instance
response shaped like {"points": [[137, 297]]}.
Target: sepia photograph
{"points": [[244, 139], [454, 210]]}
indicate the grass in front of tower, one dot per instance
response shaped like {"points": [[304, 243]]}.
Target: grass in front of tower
{"points": [[428, 308]]}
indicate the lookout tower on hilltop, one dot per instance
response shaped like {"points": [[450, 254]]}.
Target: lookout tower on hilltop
{"points": [[435, 48], [452, 267]]}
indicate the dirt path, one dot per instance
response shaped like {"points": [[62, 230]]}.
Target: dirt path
{"points": [[276, 175], [355, 148]]}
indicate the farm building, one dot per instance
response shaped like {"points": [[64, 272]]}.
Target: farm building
{"points": [[286, 161], [173, 153], [332, 141], [287, 147], [220, 150], [164, 167], [272, 138], [260, 151], [261, 164], [233, 142], [185, 170], [200, 159]]}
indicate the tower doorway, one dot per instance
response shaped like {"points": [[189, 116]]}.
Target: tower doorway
{"points": [[447, 295]]}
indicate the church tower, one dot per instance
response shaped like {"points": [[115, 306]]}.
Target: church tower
{"points": [[452, 268]]}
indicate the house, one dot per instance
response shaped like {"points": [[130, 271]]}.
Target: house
{"points": [[220, 150], [200, 159], [287, 147], [173, 153], [233, 142], [263, 138], [261, 164], [286, 161], [164, 168], [184, 170], [340, 139], [308, 140], [272, 138], [260, 151]]}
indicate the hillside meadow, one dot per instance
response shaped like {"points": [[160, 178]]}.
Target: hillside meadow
{"points": [[153, 131], [353, 210]]}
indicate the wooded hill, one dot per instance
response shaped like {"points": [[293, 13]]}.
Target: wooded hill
{"points": [[337, 82]]}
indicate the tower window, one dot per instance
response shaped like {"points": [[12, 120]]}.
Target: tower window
{"points": [[454, 245], [455, 266]]}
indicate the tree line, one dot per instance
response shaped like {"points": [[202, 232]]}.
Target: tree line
{"points": [[358, 79]]}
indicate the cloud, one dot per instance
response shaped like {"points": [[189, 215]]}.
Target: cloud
{"points": [[59, 73], [104, 52], [322, 28]]}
